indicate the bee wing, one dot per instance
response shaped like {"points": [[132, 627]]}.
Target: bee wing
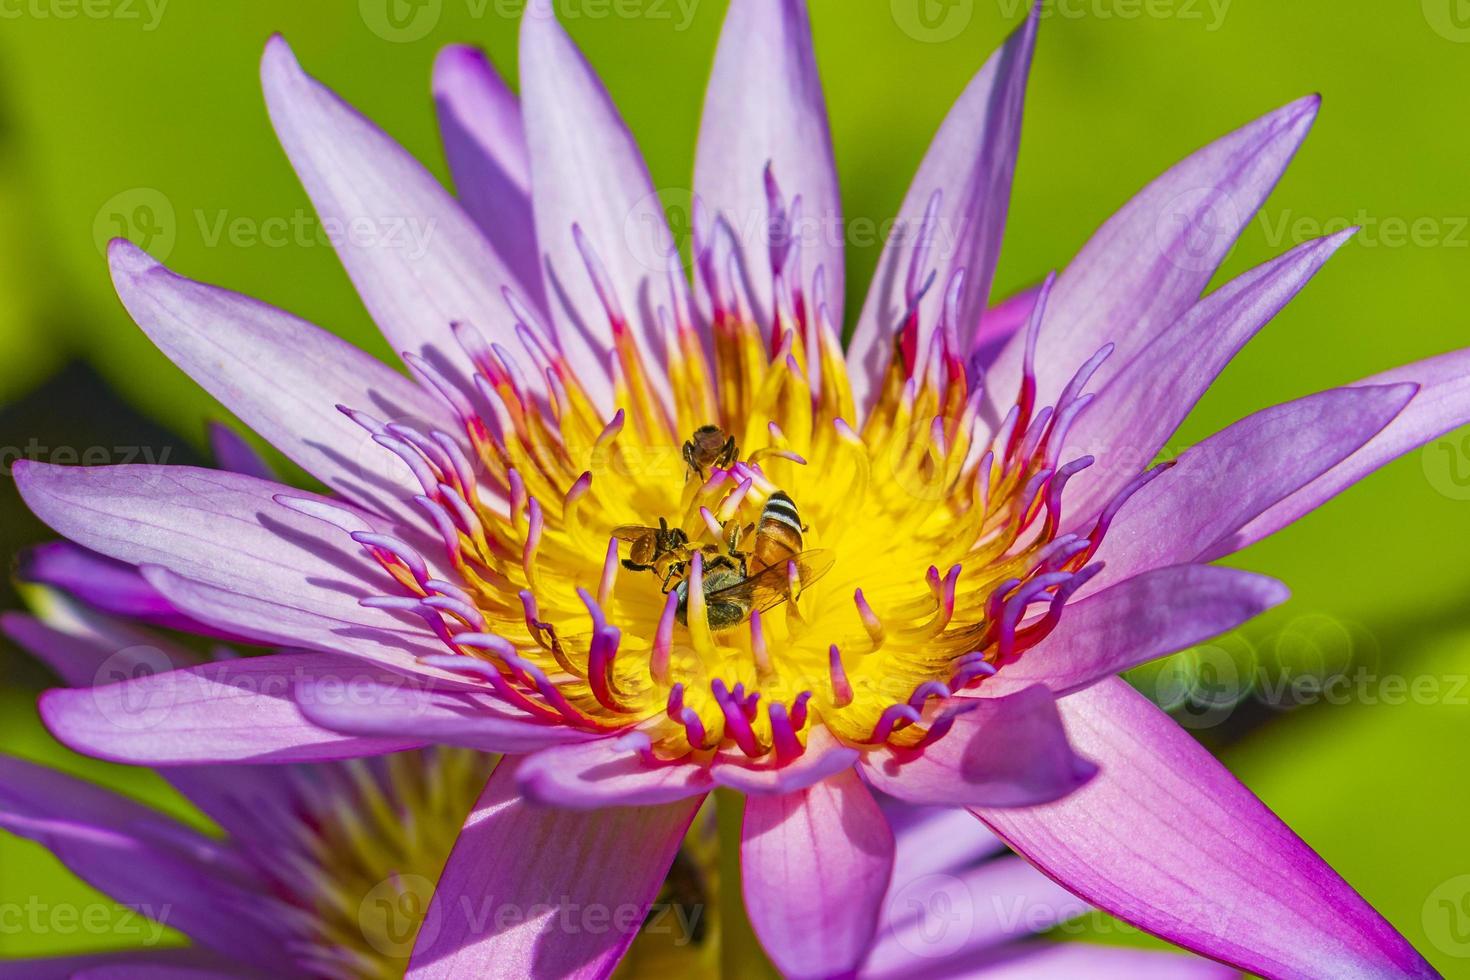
{"points": [[812, 565], [630, 532], [771, 586]]}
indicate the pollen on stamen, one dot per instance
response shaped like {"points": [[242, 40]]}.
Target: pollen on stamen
{"points": [[854, 573]]}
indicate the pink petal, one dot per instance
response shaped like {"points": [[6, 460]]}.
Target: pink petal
{"points": [[284, 378], [1005, 751], [485, 142], [608, 772], [1138, 620], [385, 705], [815, 865], [1229, 479], [1149, 263], [587, 172], [546, 893], [765, 106], [87, 648], [283, 624], [235, 549], [229, 711], [423, 265], [1133, 416], [970, 163], [1443, 404], [824, 756], [1167, 839]]}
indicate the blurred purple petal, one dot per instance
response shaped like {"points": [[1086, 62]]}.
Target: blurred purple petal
{"points": [[233, 452], [1004, 751], [104, 583], [167, 963], [229, 711], [935, 838], [88, 649], [227, 532], [942, 922], [141, 858]]}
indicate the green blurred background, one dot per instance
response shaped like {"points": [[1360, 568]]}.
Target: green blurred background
{"points": [[153, 112]]}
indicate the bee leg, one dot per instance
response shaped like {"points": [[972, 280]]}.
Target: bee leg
{"points": [[633, 566], [669, 577], [693, 467]]}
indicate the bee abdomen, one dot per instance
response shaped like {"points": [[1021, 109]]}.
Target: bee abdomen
{"points": [[779, 536]]}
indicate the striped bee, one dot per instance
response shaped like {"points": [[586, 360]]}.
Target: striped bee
{"points": [[739, 583], [779, 535]]}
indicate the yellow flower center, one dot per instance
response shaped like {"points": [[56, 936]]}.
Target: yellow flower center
{"points": [[642, 570]]}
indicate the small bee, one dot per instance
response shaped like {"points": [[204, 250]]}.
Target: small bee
{"points": [[709, 447], [737, 583], [662, 550], [730, 595]]}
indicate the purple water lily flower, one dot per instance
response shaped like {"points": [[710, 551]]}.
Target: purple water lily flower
{"points": [[651, 538]]}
